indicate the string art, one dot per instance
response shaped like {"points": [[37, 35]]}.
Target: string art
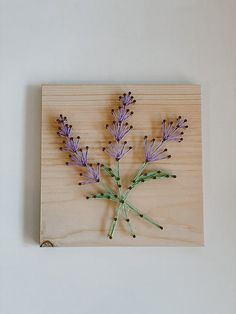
{"points": [[154, 151]]}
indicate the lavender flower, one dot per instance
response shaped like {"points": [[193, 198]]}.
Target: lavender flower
{"points": [[122, 114], [117, 150], [153, 151], [92, 175], [127, 99], [171, 131], [71, 145], [64, 129], [119, 130], [78, 156]]}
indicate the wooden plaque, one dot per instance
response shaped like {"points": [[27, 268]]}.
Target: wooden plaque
{"points": [[68, 219]]}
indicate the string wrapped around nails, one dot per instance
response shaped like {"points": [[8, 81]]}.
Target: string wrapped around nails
{"points": [[154, 151]]}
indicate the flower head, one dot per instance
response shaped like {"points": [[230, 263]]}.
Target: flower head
{"points": [[153, 150], [117, 150], [79, 158], [92, 175], [127, 99], [173, 131], [71, 145], [121, 114], [64, 129], [120, 127], [119, 130]]}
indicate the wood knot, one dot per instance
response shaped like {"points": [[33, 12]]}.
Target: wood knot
{"points": [[46, 243]]}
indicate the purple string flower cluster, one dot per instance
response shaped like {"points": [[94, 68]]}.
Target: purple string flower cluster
{"points": [[120, 128], [78, 156], [154, 151]]}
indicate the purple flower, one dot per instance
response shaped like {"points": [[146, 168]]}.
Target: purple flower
{"points": [[119, 130], [92, 175], [79, 158], [64, 129], [117, 150], [71, 145], [62, 119], [122, 114], [127, 99], [153, 151], [173, 132]]}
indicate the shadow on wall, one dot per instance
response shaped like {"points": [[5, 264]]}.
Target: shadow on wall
{"points": [[31, 180]]}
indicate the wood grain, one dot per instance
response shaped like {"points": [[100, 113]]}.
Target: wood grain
{"points": [[68, 219]]}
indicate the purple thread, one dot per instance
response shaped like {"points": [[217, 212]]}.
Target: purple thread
{"points": [[173, 132], [153, 151], [120, 128], [92, 175], [117, 150], [78, 156], [127, 99]]}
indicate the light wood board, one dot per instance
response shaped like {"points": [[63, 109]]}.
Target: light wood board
{"points": [[68, 219]]}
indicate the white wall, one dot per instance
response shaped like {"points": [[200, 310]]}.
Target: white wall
{"points": [[69, 41]]}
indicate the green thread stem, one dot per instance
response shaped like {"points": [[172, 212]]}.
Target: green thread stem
{"points": [[134, 185], [110, 172], [107, 188], [118, 174], [146, 217], [106, 196], [131, 231], [139, 172], [114, 222], [150, 176], [124, 207]]}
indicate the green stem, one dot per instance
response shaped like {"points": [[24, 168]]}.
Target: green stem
{"points": [[147, 218], [106, 196], [131, 231], [111, 173], [107, 188], [139, 172], [114, 222], [109, 193], [118, 183]]}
